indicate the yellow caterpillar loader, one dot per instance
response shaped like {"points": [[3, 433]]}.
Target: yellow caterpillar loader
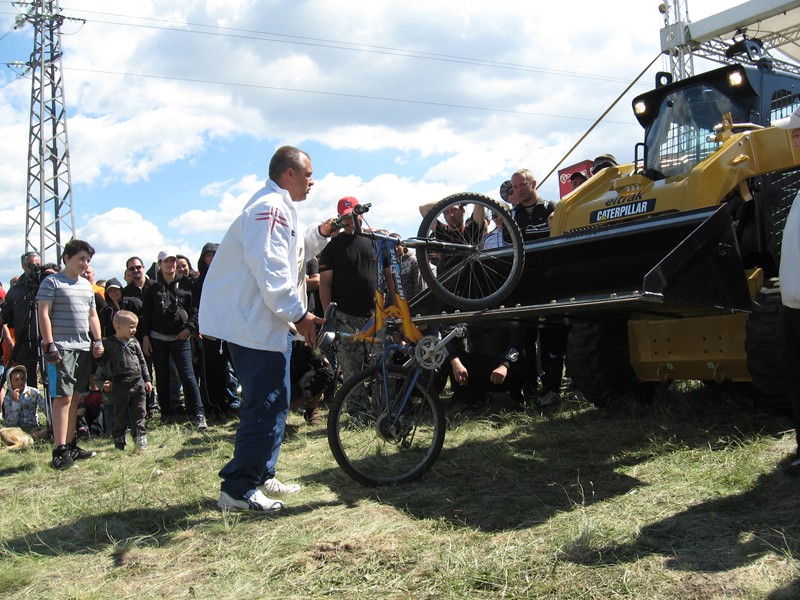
{"points": [[666, 268], [681, 248]]}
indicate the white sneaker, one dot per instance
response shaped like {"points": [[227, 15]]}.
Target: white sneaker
{"points": [[257, 502], [273, 486], [548, 399]]}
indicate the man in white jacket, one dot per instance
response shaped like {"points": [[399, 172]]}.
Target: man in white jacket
{"points": [[252, 295], [789, 272]]}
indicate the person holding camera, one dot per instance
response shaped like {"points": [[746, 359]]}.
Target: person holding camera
{"points": [[347, 276], [18, 313], [168, 321]]}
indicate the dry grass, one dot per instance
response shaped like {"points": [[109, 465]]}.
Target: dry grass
{"points": [[683, 498]]}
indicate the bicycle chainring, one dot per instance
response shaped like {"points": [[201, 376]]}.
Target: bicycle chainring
{"points": [[427, 355]]}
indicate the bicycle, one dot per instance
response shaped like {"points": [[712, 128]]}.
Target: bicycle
{"points": [[386, 425]]}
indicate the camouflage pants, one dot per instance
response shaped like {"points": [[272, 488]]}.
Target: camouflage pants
{"points": [[352, 356]]}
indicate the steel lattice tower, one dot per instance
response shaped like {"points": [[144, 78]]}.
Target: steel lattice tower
{"points": [[49, 216], [673, 38]]}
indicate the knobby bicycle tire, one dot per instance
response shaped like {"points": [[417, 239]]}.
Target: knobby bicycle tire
{"points": [[362, 437], [463, 274]]}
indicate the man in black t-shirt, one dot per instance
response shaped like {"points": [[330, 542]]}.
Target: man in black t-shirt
{"points": [[533, 214], [348, 276], [456, 229]]}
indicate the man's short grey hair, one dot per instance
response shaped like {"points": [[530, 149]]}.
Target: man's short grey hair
{"points": [[526, 175], [285, 158], [28, 255]]}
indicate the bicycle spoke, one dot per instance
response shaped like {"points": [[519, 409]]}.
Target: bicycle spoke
{"points": [[375, 446]]}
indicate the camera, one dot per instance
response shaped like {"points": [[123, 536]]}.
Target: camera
{"points": [[34, 277]]}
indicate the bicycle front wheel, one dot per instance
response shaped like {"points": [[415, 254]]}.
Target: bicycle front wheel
{"points": [[382, 431], [474, 254]]}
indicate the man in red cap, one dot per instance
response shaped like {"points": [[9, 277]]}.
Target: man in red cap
{"points": [[347, 276]]}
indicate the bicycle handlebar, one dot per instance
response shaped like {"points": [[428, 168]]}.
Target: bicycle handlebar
{"points": [[358, 209]]}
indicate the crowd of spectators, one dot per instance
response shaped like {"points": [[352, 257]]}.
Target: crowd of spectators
{"points": [[159, 370]]}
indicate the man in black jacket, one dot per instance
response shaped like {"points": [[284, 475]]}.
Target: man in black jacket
{"points": [[18, 312], [132, 295]]}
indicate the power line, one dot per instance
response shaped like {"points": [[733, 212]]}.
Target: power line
{"points": [[333, 44], [336, 94], [257, 35]]}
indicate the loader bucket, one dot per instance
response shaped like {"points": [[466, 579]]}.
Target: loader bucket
{"points": [[679, 264]]}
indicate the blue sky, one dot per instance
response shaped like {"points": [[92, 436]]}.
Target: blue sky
{"points": [[175, 107]]}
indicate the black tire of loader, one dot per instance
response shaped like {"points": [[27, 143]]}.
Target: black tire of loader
{"points": [[598, 361], [764, 345]]}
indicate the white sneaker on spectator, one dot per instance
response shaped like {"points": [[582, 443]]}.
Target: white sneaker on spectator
{"points": [[273, 486], [257, 502]]}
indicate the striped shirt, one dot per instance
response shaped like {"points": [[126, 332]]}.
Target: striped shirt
{"points": [[69, 313]]}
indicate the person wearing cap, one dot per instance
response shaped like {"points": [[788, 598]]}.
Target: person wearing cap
{"points": [[254, 298], [577, 179], [113, 299], [348, 276], [603, 162], [507, 193], [22, 403], [789, 275], [168, 321]]}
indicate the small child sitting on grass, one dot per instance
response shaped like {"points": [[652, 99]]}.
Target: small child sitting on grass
{"points": [[22, 403], [129, 379]]}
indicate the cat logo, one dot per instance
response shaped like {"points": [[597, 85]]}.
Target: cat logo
{"points": [[623, 210]]}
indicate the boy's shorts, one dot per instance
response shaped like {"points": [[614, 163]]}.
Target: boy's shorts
{"points": [[72, 373]]}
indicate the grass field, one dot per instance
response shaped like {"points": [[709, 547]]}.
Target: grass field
{"points": [[680, 499]]}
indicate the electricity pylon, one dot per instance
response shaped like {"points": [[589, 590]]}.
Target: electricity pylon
{"points": [[50, 218]]}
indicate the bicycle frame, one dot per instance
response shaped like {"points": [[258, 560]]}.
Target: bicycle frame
{"points": [[399, 311], [457, 331], [386, 250], [412, 381]]}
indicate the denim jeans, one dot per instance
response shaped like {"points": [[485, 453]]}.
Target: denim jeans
{"points": [[791, 358], [264, 377], [181, 353]]}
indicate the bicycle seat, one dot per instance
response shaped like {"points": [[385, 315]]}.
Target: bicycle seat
{"points": [[327, 333]]}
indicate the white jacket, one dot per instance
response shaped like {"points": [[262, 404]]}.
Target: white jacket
{"points": [[790, 257], [251, 292]]}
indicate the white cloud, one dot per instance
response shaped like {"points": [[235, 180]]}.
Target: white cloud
{"points": [[383, 83], [117, 235]]}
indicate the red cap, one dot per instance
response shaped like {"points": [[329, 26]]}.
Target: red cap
{"points": [[346, 205]]}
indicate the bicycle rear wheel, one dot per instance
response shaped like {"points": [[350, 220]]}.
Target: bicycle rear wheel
{"points": [[469, 266], [374, 445]]}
